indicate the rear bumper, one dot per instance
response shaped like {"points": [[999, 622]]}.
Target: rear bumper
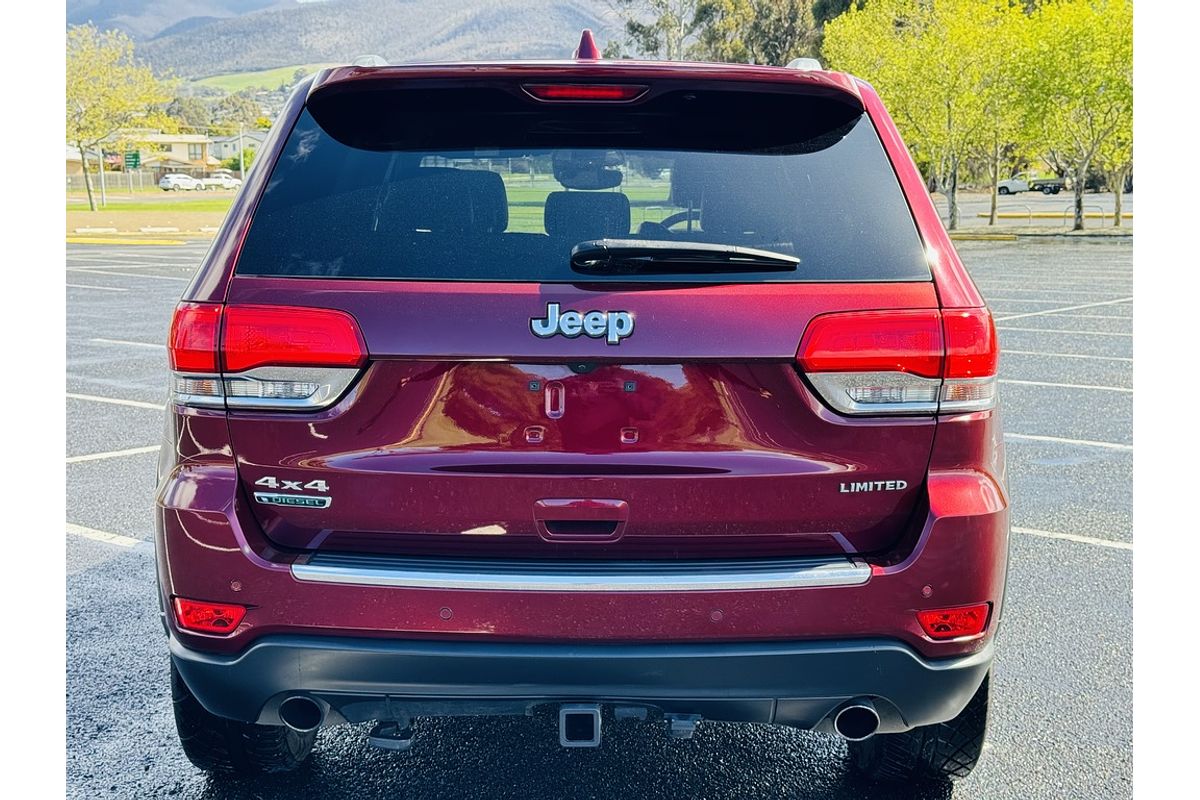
{"points": [[792, 683]]}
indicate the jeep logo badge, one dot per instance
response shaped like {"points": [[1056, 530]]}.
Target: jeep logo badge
{"points": [[612, 326]]}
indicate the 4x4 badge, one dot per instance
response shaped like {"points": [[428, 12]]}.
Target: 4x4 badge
{"points": [[612, 326]]}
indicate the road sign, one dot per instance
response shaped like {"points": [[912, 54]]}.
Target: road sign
{"points": [[133, 159]]}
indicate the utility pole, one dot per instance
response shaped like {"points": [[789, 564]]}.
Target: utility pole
{"points": [[241, 153], [103, 196]]}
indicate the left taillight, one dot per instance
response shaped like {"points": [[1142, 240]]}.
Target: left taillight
{"points": [[923, 361], [262, 357]]}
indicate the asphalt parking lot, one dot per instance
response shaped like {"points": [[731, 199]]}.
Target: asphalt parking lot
{"points": [[1061, 722]]}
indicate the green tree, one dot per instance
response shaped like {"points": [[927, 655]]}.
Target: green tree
{"points": [[191, 113], [234, 163], [935, 63], [757, 31], [1115, 160], [238, 109], [108, 89], [1080, 81], [660, 28]]}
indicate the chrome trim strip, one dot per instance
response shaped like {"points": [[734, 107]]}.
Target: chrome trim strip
{"points": [[823, 573]]}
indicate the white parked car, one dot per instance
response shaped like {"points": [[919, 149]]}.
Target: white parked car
{"points": [[177, 180], [221, 180]]}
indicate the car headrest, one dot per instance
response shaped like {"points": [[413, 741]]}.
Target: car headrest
{"points": [[582, 216], [737, 199], [446, 200]]}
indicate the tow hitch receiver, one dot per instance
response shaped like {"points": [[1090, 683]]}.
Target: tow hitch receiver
{"points": [[579, 725]]}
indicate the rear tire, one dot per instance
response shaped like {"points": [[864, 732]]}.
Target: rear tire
{"points": [[219, 745], [1002, 190], [943, 752]]}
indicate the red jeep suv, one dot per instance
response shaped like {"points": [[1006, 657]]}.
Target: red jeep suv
{"points": [[587, 388]]}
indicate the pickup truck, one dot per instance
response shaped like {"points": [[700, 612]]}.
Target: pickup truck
{"points": [[1029, 183], [221, 181]]}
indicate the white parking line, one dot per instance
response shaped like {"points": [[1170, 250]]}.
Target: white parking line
{"points": [[115, 401], [1074, 537], [126, 274], [128, 343], [1068, 308], [1067, 385], [103, 536], [133, 451], [1064, 355], [1060, 330], [1030, 437], [994, 300], [1093, 316], [100, 288]]}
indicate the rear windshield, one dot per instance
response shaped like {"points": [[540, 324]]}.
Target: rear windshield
{"points": [[407, 185]]}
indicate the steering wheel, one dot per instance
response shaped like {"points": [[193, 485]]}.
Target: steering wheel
{"points": [[681, 216]]}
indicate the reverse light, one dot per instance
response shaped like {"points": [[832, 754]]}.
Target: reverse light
{"points": [[585, 92], [219, 618], [902, 362], [263, 357], [954, 623]]}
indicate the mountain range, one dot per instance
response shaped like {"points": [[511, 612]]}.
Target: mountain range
{"points": [[197, 38]]}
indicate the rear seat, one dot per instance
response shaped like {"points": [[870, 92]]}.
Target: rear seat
{"points": [[576, 217]]}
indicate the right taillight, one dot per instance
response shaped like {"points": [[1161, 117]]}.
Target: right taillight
{"points": [[262, 357], [902, 362]]}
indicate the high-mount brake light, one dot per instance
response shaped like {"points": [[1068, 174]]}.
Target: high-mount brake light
{"points": [[585, 92], [263, 357], [202, 617], [954, 623], [902, 362]]}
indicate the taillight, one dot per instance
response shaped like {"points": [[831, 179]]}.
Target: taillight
{"points": [[902, 362], [193, 338], [585, 92], [196, 615], [954, 623], [269, 357]]}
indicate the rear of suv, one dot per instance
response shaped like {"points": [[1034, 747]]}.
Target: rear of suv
{"points": [[646, 390]]}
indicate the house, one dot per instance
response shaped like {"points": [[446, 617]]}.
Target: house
{"points": [[224, 147], [75, 163], [177, 152]]}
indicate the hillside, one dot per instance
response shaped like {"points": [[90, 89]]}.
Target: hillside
{"points": [[398, 30], [143, 19]]}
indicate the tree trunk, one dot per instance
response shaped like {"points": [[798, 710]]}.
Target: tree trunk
{"points": [[1121, 174], [995, 181], [1080, 181], [87, 180], [952, 193]]}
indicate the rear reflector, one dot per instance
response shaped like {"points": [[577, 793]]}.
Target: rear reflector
{"points": [[220, 618], [258, 336], [902, 362], [954, 623], [585, 92]]}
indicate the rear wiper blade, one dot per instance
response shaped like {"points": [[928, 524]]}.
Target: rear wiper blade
{"points": [[628, 256]]}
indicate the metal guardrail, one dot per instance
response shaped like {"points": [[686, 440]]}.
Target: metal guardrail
{"points": [[1069, 211]]}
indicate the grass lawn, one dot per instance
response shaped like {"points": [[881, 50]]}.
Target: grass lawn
{"points": [[263, 79], [526, 202], [214, 204]]}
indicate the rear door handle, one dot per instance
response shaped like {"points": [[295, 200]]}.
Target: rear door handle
{"points": [[581, 519]]}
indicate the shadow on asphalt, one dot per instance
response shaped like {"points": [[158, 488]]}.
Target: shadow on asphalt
{"points": [[521, 758]]}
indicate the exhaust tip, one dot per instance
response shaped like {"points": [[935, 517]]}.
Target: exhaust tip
{"points": [[857, 720], [301, 714]]}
